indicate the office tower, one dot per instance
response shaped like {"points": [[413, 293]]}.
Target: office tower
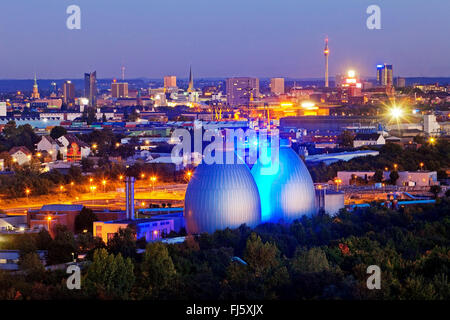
{"points": [[35, 94], [241, 90], [170, 82], [277, 85], [68, 92], [53, 88], [401, 82], [119, 89], [385, 75], [191, 81], [90, 87], [326, 53]]}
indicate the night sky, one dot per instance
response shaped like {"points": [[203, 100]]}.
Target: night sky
{"points": [[262, 38]]}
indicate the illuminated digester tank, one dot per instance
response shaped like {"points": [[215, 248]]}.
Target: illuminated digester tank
{"points": [[286, 190], [220, 196]]}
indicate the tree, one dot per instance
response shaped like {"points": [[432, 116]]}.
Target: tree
{"points": [[85, 220], [378, 176], [393, 176], [123, 242], [435, 190], [31, 264], [312, 260], [57, 132], [62, 247], [157, 267], [109, 276], [346, 138]]}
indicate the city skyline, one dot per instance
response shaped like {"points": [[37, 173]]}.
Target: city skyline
{"points": [[282, 40]]}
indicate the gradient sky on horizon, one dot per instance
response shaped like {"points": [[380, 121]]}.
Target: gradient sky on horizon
{"points": [[262, 38]]}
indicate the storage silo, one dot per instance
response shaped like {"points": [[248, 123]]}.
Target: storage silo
{"points": [[220, 196], [286, 190]]}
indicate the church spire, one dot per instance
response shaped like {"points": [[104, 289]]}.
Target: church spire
{"points": [[191, 80], [35, 94]]}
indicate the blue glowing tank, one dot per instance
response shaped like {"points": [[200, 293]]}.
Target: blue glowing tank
{"points": [[286, 190], [220, 196]]}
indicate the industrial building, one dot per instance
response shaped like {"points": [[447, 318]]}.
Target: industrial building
{"points": [[285, 187], [220, 196]]}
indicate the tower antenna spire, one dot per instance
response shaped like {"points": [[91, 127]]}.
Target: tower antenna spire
{"points": [[326, 53]]}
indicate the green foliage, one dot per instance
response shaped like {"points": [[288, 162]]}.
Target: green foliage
{"points": [[158, 270], [393, 177], [62, 247], [312, 260], [318, 257], [109, 276], [57, 132], [22, 135], [123, 242], [434, 158], [85, 220]]}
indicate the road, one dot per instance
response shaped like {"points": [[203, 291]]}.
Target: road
{"points": [[112, 200]]}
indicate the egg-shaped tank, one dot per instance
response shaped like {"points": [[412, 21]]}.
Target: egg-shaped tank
{"points": [[220, 196], [285, 186]]}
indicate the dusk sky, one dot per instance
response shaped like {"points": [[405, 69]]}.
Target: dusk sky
{"points": [[262, 38]]}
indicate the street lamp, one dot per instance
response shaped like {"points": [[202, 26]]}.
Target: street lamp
{"points": [[153, 180], [432, 140], [421, 165], [104, 184], [142, 175], [395, 166], [27, 192], [49, 219], [189, 175], [337, 181]]}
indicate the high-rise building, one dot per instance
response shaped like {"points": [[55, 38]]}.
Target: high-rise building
{"points": [[35, 94], [241, 90], [400, 82], [68, 92], [170, 82], [119, 89], [385, 76], [326, 53], [277, 85], [90, 87]]}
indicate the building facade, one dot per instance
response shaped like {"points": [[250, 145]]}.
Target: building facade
{"points": [[240, 91]]}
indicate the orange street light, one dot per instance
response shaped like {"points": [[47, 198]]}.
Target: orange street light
{"points": [[121, 177], [49, 219], [27, 192], [142, 175], [38, 154], [395, 166], [94, 146], [117, 144], [421, 165], [153, 178], [90, 179], [432, 140]]}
